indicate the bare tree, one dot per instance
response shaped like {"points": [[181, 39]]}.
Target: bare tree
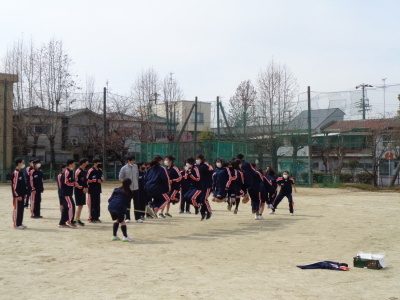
{"points": [[277, 88], [242, 108]]}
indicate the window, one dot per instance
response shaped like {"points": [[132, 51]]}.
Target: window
{"points": [[41, 129], [200, 118], [160, 134]]}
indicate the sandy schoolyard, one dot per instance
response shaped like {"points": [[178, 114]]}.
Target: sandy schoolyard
{"points": [[227, 257]]}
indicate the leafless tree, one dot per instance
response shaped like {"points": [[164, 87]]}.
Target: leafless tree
{"points": [[277, 88], [242, 108]]}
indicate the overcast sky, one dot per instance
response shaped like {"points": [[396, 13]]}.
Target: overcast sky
{"points": [[211, 46]]}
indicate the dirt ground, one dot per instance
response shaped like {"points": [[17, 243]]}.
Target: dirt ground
{"points": [[227, 257]]}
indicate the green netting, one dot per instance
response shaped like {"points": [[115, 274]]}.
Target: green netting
{"points": [[347, 141], [328, 181], [298, 169]]}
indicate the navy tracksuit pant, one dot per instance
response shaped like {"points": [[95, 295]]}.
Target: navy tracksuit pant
{"points": [[279, 198], [68, 211]]}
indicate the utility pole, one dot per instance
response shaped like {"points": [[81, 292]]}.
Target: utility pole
{"points": [[384, 97], [363, 86], [218, 123], [195, 126], [104, 132], [5, 132], [310, 166]]}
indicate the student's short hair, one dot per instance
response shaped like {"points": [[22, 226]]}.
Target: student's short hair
{"points": [[82, 161], [70, 161], [130, 158], [171, 158], [63, 166], [31, 160], [191, 161], [286, 172], [18, 160], [96, 160], [36, 161], [240, 156], [201, 156]]}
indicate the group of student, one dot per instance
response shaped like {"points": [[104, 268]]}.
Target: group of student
{"points": [[152, 186]]}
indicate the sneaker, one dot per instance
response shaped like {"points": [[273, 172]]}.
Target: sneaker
{"points": [[142, 217], [260, 217], [92, 221], [20, 227], [115, 238], [139, 221], [188, 212], [161, 216], [235, 211], [272, 212], [72, 225], [291, 214], [80, 222], [151, 212], [208, 215], [127, 239], [168, 215], [203, 216], [127, 221], [98, 221], [257, 217], [63, 226], [229, 207], [196, 210], [181, 211], [24, 226]]}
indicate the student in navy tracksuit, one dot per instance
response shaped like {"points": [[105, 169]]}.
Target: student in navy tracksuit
{"points": [[238, 183], [36, 180], [67, 190], [118, 206], [221, 181], [59, 184], [248, 173], [143, 198], [193, 195], [81, 189], [95, 178], [175, 177], [157, 185], [206, 173], [28, 182], [184, 188], [233, 188], [18, 188], [285, 186], [255, 192], [270, 184]]}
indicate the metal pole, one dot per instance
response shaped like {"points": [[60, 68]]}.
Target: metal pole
{"points": [[309, 137], [363, 101], [384, 97], [104, 132], [218, 123], [195, 126], [5, 132]]}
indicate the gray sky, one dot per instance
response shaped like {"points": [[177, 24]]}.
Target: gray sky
{"points": [[211, 46]]}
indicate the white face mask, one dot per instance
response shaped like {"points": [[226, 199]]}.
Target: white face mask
{"points": [[198, 161], [188, 165], [186, 168], [285, 176], [23, 166], [166, 162], [218, 164], [38, 165]]}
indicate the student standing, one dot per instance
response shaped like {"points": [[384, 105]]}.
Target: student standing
{"points": [[193, 195], [117, 206], [184, 188], [157, 185], [81, 189], [175, 177], [59, 184], [206, 173], [95, 178], [285, 186], [36, 180], [28, 182], [67, 190], [130, 170], [18, 188]]}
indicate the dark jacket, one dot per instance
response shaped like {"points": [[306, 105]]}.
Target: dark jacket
{"points": [[36, 178], [118, 200], [67, 183], [18, 184], [80, 180], [206, 174], [92, 176], [175, 177], [194, 177], [248, 173], [157, 181]]}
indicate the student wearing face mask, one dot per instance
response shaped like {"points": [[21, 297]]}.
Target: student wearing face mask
{"points": [[67, 190], [157, 185], [193, 195], [184, 188], [95, 178], [175, 177], [130, 170], [36, 181], [221, 181], [285, 186], [206, 173], [18, 188]]}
